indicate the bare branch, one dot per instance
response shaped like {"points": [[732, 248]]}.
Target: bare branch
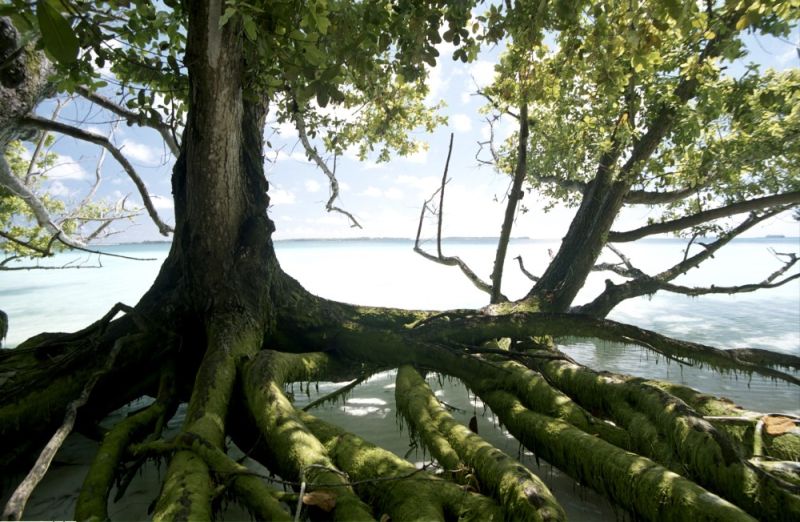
{"points": [[788, 198], [524, 271], [133, 117], [39, 144], [441, 259], [645, 284], [312, 153], [41, 123], [624, 269]]}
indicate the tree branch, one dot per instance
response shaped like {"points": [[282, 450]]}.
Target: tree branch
{"points": [[524, 271], [645, 284], [478, 328], [511, 206], [441, 259], [788, 198], [133, 117], [331, 174], [646, 197], [42, 123], [15, 185]]}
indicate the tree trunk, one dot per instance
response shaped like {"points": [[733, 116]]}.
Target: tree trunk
{"points": [[580, 248]]}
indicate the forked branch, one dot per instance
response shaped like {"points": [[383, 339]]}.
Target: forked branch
{"points": [[333, 183], [38, 122], [441, 259]]}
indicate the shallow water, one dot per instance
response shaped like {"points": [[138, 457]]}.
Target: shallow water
{"points": [[388, 273]]}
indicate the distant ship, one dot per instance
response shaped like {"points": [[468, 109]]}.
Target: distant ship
{"points": [[775, 236]]}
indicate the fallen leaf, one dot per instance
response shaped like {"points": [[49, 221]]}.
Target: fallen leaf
{"points": [[778, 425], [325, 500]]}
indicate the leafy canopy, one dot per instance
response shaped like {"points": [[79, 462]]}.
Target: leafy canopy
{"points": [[612, 71]]}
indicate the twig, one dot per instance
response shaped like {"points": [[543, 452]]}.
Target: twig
{"points": [[441, 259], [330, 396], [441, 199], [524, 271]]}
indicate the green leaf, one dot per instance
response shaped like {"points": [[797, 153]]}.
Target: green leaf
{"points": [[57, 35], [230, 11], [249, 28]]}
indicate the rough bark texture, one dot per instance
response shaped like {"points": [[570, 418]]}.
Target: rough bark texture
{"points": [[235, 329]]}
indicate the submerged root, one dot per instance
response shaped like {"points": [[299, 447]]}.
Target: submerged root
{"points": [[521, 494], [395, 486], [705, 453], [634, 482]]}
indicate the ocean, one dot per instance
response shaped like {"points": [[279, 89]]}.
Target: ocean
{"points": [[387, 272]]}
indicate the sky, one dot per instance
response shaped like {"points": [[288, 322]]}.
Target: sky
{"points": [[386, 198]]}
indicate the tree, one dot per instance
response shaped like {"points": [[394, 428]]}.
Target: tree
{"points": [[226, 328]]}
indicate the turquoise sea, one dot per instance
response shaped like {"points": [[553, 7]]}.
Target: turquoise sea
{"points": [[388, 273]]}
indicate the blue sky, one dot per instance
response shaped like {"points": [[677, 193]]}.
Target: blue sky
{"points": [[386, 198]]}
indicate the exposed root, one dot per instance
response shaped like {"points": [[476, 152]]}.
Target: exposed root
{"points": [[260, 499], [188, 488], [92, 502], [632, 481], [394, 485], [701, 450], [521, 494], [16, 504], [294, 452], [477, 329]]}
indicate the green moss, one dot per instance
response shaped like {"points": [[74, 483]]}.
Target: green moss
{"points": [[522, 495], [632, 481], [394, 485], [294, 452]]}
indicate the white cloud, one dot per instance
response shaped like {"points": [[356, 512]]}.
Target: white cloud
{"points": [[281, 197], [482, 73], [67, 168], [425, 185], [372, 192], [393, 193], [162, 202], [287, 130], [312, 185], [58, 189], [461, 122], [139, 152], [787, 56], [420, 157], [437, 85]]}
